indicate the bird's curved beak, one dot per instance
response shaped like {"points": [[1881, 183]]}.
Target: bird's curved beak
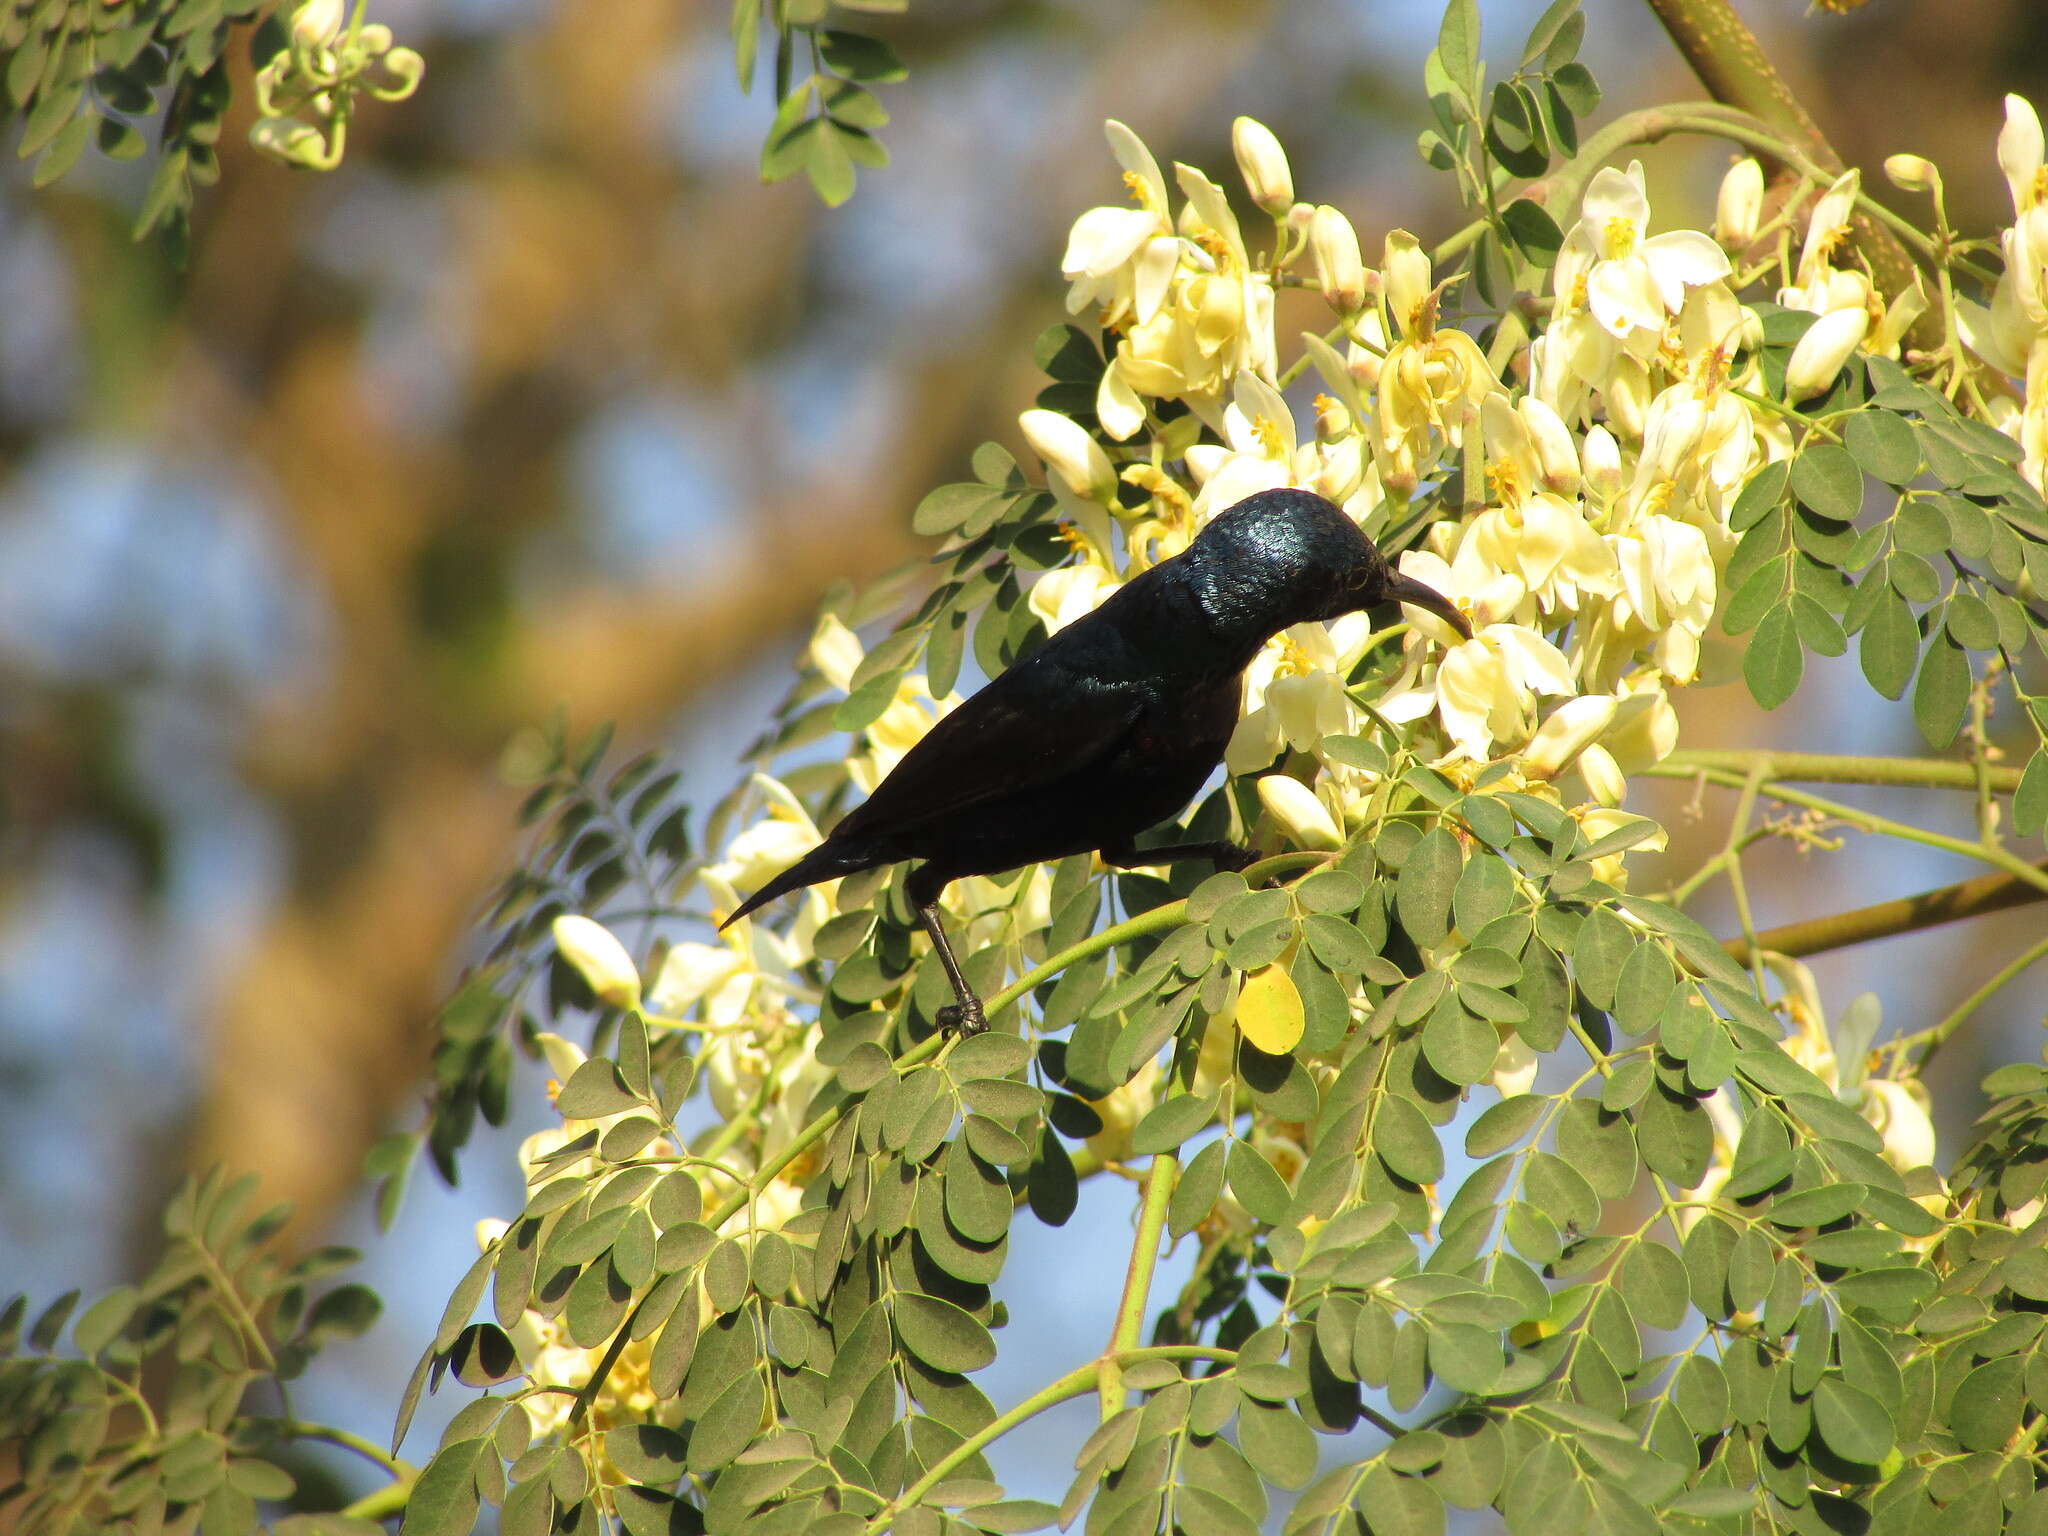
{"points": [[1406, 589]]}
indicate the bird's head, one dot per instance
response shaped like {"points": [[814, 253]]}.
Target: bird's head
{"points": [[1290, 557]]}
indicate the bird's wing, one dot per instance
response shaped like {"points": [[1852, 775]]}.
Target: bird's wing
{"points": [[1035, 723]]}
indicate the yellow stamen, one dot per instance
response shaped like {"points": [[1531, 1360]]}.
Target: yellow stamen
{"points": [[1618, 238], [1270, 437]]}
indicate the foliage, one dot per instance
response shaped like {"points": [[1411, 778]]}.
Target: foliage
{"points": [[86, 71], [1478, 1143], [173, 1413], [1706, 1278], [827, 118]]}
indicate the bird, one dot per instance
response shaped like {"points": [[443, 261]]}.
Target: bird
{"points": [[1110, 725]]}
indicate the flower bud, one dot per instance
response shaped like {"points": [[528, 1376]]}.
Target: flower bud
{"points": [[1406, 268], [1070, 453], [1601, 455], [1739, 208], [836, 651], [1339, 267], [1604, 779], [489, 1230], [317, 23], [562, 1056], [1901, 1119], [600, 959], [1514, 1066], [289, 140], [1557, 457], [2020, 150], [1911, 173], [1628, 397], [1818, 358], [1570, 728], [1263, 165], [1295, 806], [1332, 419]]}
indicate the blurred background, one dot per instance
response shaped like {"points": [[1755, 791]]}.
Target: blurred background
{"points": [[543, 399]]}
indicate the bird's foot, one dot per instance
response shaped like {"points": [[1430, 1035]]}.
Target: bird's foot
{"points": [[1233, 857], [963, 1019]]}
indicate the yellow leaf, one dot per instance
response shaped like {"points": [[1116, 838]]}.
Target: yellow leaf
{"points": [[1269, 1011]]}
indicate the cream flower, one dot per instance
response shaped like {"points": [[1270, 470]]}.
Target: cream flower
{"points": [[1632, 281]]}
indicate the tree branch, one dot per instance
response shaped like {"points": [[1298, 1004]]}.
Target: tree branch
{"points": [[1884, 919]]}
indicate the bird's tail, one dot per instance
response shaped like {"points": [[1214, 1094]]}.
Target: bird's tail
{"points": [[825, 862]]}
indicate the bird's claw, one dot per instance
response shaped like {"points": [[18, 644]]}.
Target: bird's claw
{"points": [[1234, 859], [963, 1019]]}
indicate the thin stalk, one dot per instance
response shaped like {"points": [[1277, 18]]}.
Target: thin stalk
{"points": [[1842, 768], [1905, 914], [1074, 1384], [1929, 1041], [1158, 918], [1160, 1179], [1867, 821], [348, 1440]]}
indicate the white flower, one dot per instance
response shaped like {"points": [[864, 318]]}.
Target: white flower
{"points": [[1817, 360], [719, 976], [1070, 453], [1340, 270], [1566, 732], [1899, 1114], [1263, 165], [1514, 1066], [317, 23], [599, 958], [836, 651], [1297, 808], [1739, 206], [1633, 281], [1486, 688]]}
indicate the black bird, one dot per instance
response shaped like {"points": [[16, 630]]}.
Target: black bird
{"points": [[1111, 725]]}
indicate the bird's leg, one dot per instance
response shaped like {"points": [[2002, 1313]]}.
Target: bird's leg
{"points": [[964, 1017], [1225, 855]]}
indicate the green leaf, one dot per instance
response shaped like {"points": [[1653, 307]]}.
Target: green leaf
{"points": [[1533, 231], [1406, 1141], [867, 59], [1259, 1189], [594, 1090], [1891, 645], [1505, 1124], [1773, 662], [1169, 1124], [104, 1319], [1428, 881], [444, 1501], [64, 149], [1883, 445], [942, 1335], [1575, 85], [1986, 1411], [1825, 477], [1460, 1048], [1941, 695], [1852, 1422], [2030, 800], [1280, 1447], [1457, 45]]}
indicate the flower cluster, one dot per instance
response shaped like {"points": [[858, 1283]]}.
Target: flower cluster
{"points": [[2012, 335], [305, 93]]}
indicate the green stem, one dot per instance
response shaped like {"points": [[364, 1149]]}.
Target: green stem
{"points": [[1905, 914], [1075, 1383], [1865, 821], [1160, 1179], [383, 1503], [1158, 918], [1929, 1041], [1837, 768], [348, 1440]]}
